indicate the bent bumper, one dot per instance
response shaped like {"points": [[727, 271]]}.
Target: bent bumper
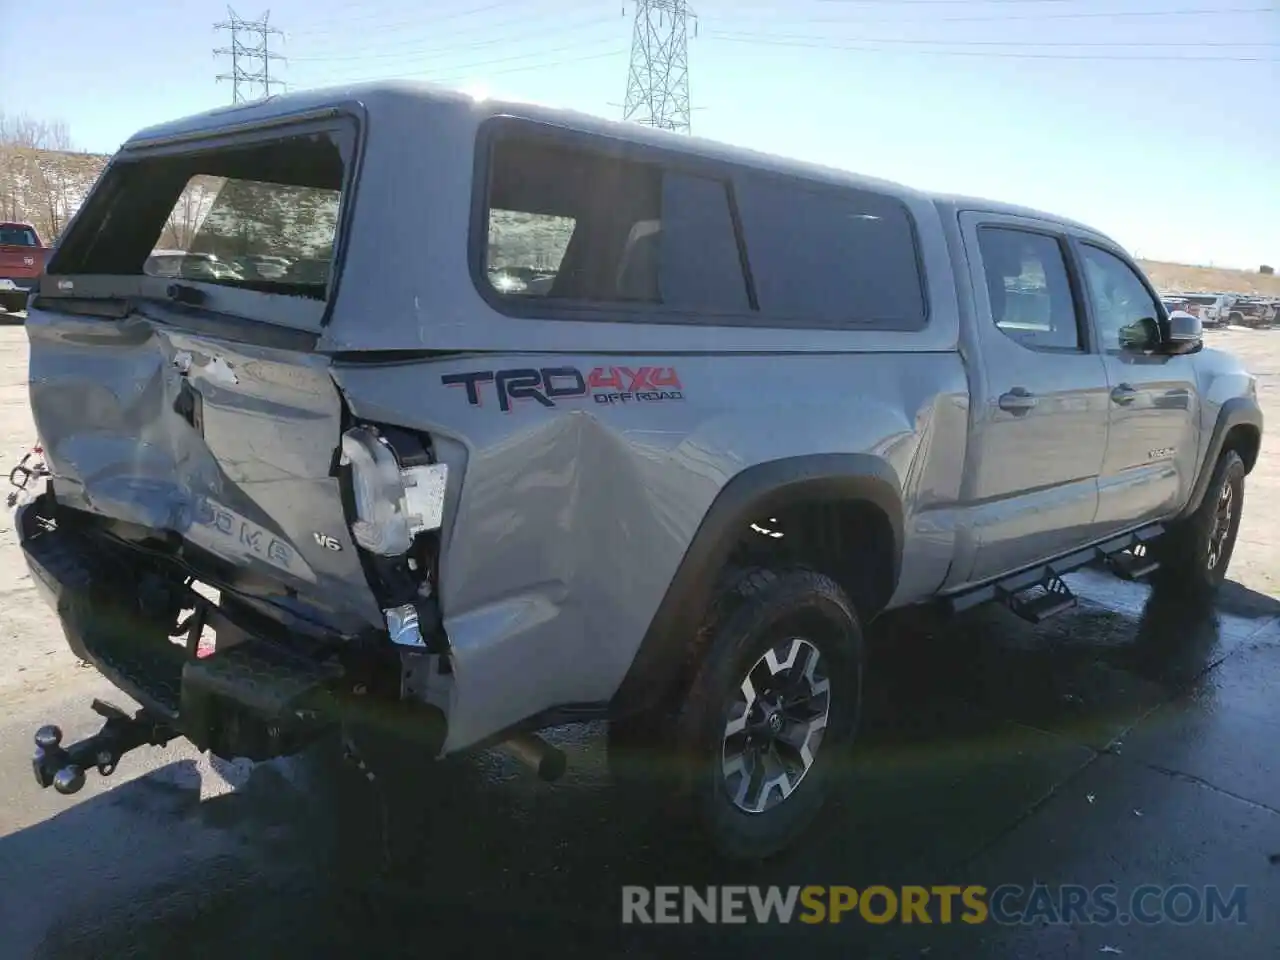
{"points": [[258, 698]]}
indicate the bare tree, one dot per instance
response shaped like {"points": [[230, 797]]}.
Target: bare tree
{"points": [[189, 212], [43, 180]]}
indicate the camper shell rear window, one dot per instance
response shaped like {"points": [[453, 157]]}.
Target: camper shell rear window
{"points": [[251, 214]]}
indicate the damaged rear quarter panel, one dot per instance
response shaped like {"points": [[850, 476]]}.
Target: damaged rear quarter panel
{"points": [[565, 523]]}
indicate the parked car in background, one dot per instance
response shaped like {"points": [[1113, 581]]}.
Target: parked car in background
{"points": [[1252, 311], [22, 259], [1211, 308], [189, 266], [261, 266]]}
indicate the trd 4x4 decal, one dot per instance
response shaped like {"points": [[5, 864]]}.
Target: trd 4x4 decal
{"points": [[549, 385]]}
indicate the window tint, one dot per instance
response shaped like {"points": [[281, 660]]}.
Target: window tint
{"points": [[831, 256], [1118, 297], [702, 265], [571, 224], [1027, 285]]}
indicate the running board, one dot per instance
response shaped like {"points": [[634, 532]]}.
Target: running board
{"points": [[1040, 602], [1127, 556], [1135, 564]]}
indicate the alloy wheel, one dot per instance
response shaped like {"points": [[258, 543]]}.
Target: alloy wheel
{"points": [[776, 725], [1221, 525]]}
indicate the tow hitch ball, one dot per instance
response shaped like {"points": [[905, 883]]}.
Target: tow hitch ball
{"points": [[63, 768]]}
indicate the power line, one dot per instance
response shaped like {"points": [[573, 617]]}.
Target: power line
{"points": [[615, 52], [418, 51], [543, 65], [905, 2], [343, 26], [868, 48], [824, 41], [1007, 17], [572, 47], [658, 75], [251, 61]]}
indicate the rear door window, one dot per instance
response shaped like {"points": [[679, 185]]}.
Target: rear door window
{"points": [[1029, 289]]}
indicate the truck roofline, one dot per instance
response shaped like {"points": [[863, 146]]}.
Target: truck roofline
{"points": [[376, 97], [957, 203]]}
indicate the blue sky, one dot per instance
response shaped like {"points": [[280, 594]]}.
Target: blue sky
{"points": [[1157, 121]]}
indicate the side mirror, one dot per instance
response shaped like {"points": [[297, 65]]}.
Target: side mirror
{"points": [[1182, 334], [1141, 336]]}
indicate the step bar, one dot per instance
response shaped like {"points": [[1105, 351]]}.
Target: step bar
{"points": [[1037, 593]]}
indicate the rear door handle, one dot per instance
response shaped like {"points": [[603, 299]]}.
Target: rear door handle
{"points": [[1017, 400], [1123, 394]]}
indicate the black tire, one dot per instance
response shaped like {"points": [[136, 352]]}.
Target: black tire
{"points": [[1194, 554], [800, 613]]}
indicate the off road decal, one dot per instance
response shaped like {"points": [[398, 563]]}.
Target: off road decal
{"points": [[549, 386]]}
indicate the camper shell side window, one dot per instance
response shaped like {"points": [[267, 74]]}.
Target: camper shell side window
{"points": [[568, 225]]}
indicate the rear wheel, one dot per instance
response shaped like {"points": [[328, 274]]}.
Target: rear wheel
{"points": [[1195, 553], [771, 709]]}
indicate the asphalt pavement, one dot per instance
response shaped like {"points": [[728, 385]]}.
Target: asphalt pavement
{"points": [[1129, 742]]}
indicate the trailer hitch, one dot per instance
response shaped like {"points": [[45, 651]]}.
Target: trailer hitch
{"points": [[63, 768]]}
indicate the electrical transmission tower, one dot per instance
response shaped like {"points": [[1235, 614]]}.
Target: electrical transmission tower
{"points": [[658, 78], [250, 57]]}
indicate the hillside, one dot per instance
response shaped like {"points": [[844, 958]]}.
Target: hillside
{"points": [[45, 187], [1182, 278]]}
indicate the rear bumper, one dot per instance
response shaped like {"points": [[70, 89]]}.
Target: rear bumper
{"points": [[11, 284], [257, 698]]}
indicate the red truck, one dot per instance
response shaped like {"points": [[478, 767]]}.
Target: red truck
{"points": [[22, 260]]}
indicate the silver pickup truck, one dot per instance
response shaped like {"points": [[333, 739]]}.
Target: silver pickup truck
{"points": [[553, 419]]}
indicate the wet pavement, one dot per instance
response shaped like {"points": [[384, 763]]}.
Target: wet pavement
{"points": [[1131, 741]]}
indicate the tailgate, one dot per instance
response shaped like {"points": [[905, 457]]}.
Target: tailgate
{"points": [[21, 255], [229, 447], [192, 411], [20, 262]]}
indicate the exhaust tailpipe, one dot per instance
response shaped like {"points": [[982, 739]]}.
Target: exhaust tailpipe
{"points": [[542, 758]]}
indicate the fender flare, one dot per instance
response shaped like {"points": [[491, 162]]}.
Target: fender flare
{"points": [[751, 493], [1236, 411]]}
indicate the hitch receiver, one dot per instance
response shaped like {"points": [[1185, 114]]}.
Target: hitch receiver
{"points": [[63, 768]]}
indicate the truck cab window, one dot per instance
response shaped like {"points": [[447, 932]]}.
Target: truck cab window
{"points": [[1027, 285], [1118, 297]]}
